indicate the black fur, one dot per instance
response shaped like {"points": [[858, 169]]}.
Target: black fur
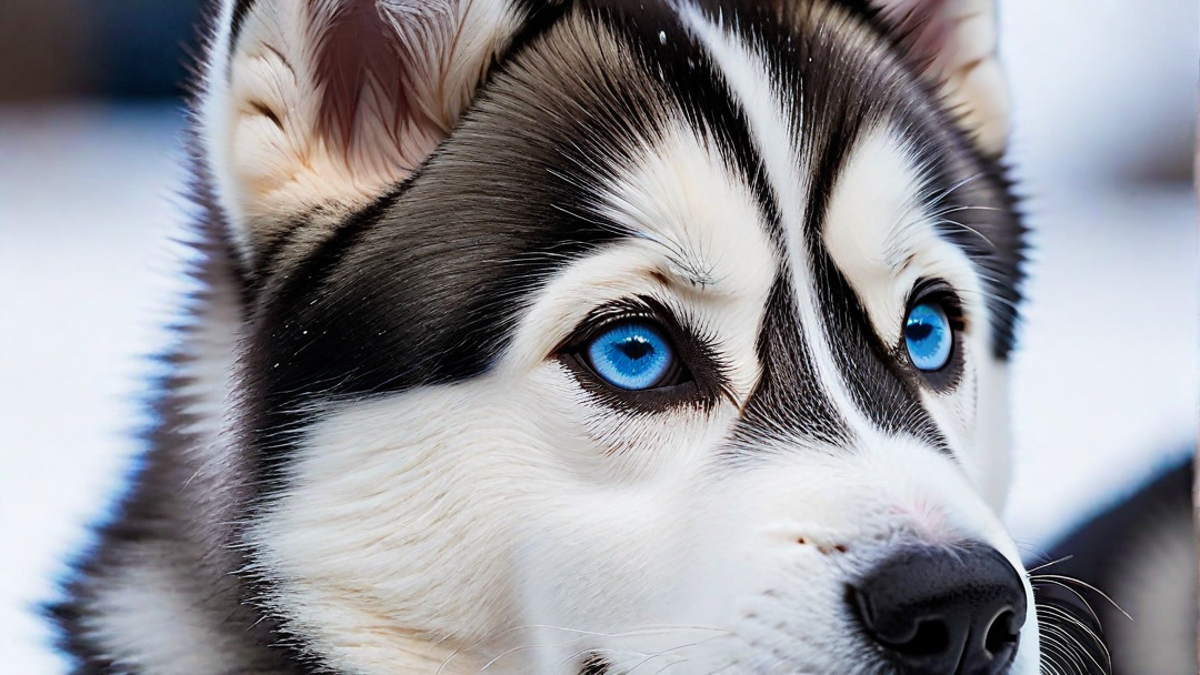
{"points": [[240, 10], [789, 401]]}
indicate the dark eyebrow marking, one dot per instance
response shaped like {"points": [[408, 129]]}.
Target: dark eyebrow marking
{"points": [[241, 9]]}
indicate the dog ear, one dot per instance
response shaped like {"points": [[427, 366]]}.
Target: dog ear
{"points": [[956, 39], [311, 108]]}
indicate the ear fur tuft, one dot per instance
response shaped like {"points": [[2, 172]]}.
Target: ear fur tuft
{"points": [[956, 39], [314, 107]]}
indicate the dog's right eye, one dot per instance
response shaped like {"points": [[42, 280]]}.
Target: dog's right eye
{"points": [[631, 355]]}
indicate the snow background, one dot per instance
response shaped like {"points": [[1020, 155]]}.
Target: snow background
{"points": [[1105, 390]]}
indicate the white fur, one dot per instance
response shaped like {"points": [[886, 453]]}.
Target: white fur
{"points": [[528, 476], [874, 228], [515, 522], [708, 232]]}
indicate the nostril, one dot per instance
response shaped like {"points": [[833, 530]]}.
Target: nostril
{"points": [[903, 634], [1003, 633], [932, 637]]}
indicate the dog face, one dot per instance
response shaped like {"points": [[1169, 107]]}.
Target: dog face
{"points": [[622, 337]]}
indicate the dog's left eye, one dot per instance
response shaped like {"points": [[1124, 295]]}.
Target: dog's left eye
{"points": [[631, 355], [928, 336]]}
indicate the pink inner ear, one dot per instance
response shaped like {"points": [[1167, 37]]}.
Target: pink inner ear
{"points": [[925, 26], [364, 67]]}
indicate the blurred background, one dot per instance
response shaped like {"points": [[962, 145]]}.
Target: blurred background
{"points": [[1105, 390]]}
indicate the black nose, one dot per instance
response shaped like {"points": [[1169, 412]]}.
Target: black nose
{"points": [[943, 611]]}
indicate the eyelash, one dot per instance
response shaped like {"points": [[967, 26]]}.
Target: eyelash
{"points": [[610, 314], [699, 378], [936, 290]]}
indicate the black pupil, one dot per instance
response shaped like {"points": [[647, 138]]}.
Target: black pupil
{"points": [[918, 331], [635, 349]]}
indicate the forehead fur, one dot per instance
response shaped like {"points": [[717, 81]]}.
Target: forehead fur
{"points": [[434, 274], [840, 75]]}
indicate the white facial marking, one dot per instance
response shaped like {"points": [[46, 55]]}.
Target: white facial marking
{"points": [[883, 242], [769, 118], [705, 221], [875, 224], [884, 239]]}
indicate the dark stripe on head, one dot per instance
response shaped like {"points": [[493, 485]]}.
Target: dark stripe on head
{"points": [[838, 103], [788, 400], [241, 9], [680, 66], [807, 42], [888, 396], [789, 403], [833, 118]]}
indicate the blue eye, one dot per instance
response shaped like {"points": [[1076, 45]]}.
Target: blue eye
{"points": [[631, 355], [928, 336]]}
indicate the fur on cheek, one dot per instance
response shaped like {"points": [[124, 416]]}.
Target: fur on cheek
{"points": [[398, 525]]}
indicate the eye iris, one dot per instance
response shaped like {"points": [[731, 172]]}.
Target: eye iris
{"points": [[630, 356], [927, 334]]}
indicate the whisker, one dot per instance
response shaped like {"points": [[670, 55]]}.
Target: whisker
{"points": [[1095, 617], [1097, 591], [1064, 657], [1074, 621], [1048, 612], [1044, 565], [967, 228], [941, 196]]}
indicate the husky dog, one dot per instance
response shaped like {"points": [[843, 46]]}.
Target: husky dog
{"points": [[583, 337]]}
